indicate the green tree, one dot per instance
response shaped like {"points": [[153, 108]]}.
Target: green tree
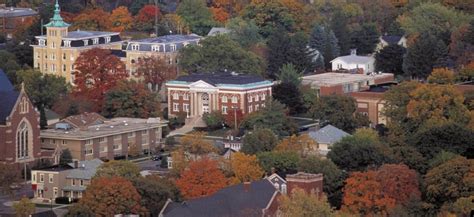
{"points": [[9, 65], [24, 207], [283, 162], [324, 40], [79, 210], [269, 16], [214, 120], [65, 157], [217, 53], [131, 99], [23, 52], [336, 110], [196, 15], [423, 55], [125, 169], [244, 32], [259, 140], [155, 191], [333, 177], [441, 158], [290, 95], [273, 116], [301, 204], [365, 39], [390, 59], [410, 156], [289, 74], [44, 90], [339, 25]]}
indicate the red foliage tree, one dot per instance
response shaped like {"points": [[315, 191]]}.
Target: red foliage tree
{"points": [[97, 71], [219, 14], [399, 182], [155, 71], [233, 116], [145, 19], [201, 178]]}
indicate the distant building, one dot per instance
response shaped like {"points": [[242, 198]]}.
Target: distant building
{"points": [[90, 136], [63, 181], [370, 102], [250, 199], [326, 137], [197, 94], [353, 62], [218, 31], [57, 51], [389, 40], [12, 18], [344, 83]]}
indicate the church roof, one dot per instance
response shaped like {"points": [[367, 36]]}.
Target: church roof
{"points": [[57, 20]]}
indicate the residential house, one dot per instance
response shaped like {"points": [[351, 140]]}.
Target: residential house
{"points": [[218, 31], [13, 18], [89, 136], [344, 83], [63, 181], [326, 137], [353, 62], [258, 198], [389, 40], [201, 93]]}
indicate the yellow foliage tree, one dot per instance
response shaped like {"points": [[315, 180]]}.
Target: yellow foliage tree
{"points": [[246, 167], [196, 144], [302, 144], [441, 76], [180, 162], [301, 204], [121, 19]]}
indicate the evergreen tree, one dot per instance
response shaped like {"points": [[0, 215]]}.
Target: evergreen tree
{"points": [[423, 55], [324, 40], [390, 59], [365, 39], [339, 25], [289, 74]]}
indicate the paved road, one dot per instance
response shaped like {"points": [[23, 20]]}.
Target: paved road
{"points": [[5, 200]]}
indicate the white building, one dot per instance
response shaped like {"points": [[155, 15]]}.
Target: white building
{"points": [[354, 62]]}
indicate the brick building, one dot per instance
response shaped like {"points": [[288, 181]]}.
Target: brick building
{"points": [[12, 18], [197, 94]]}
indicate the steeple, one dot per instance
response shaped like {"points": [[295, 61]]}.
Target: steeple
{"points": [[57, 20]]}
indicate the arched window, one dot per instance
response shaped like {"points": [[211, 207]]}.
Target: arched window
{"points": [[23, 140]]}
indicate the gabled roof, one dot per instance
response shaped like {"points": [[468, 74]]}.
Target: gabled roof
{"points": [[8, 97], [86, 169], [328, 134], [355, 59], [392, 39], [217, 31]]}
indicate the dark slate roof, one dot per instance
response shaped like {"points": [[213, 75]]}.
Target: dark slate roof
{"points": [[8, 97], [230, 201], [166, 40], [88, 34], [77, 38], [392, 39], [221, 78], [17, 12], [119, 53]]}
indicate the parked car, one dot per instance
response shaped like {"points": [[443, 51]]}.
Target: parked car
{"points": [[156, 157]]}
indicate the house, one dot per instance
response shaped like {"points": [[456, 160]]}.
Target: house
{"points": [[344, 83], [258, 198], [371, 103], [389, 40], [89, 136], [200, 93], [56, 52], [12, 18], [353, 62], [19, 126], [326, 137], [63, 180], [218, 31]]}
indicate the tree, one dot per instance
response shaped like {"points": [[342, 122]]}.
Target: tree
{"points": [[441, 158], [410, 156], [300, 204], [333, 177], [201, 178], [154, 71], [93, 20], [289, 74], [9, 65], [463, 206], [364, 195], [390, 59], [269, 16], [382, 13], [246, 167], [365, 39], [214, 120], [303, 144], [108, 196], [155, 191], [324, 40], [145, 19], [399, 182], [244, 32], [196, 15], [234, 118], [450, 181], [24, 207], [195, 143], [113, 168], [441, 76], [175, 24], [9, 175], [180, 162], [131, 99], [274, 117], [218, 53], [259, 140], [336, 110], [288, 94], [121, 19], [282, 162], [461, 47], [79, 210], [44, 90], [219, 14], [65, 157], [423, 55], [357, 153], [339, 24], [97, 71]]}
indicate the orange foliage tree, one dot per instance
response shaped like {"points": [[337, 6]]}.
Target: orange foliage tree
{"points": [[145, 19], [97, 71], [121, 19], [155, 71], [246, 168], [92, 19], [219, 14], [399, 182], [201, 178], [111, 196], [303, 145], [364, 195]]}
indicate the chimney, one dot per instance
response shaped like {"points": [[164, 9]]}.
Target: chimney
{"points": [[353, 52], [76, 164], [246, 186], [311, 183]]}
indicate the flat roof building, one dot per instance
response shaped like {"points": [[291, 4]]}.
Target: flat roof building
{"points": [[11, 18]]}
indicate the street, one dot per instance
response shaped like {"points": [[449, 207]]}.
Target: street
{"points": [[6, 201]]}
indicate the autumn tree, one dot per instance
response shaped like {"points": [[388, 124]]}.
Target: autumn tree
{"points": [[214, 120], [175, 24], [125, 169], [8, 176], [121, 19], [364, 195], [301, 204], [108, 196], [201, 178], [245, 167], [234, 118], [441, 76], [303, 144], [399, 182], [131, 99], [154, 71], [155, 191], [219, 14], [24, 207], [270, 15], [259, 140], [145, 19], [180, 162], [461, 47], [196, 143], [97, 71], [95, 19]]}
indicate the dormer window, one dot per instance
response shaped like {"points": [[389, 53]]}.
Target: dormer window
{"points": [[107, 39], [173, 47], [42, 42], [135, 46], [95, 41], [67, 43], [155, 48], [86, 42]]}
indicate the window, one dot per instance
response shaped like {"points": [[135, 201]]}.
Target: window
{"points": [[86, 42], [38, 55], [256, 98], [81, 182], [117, 137], [41, 177], [186, 96], [256, 107], [64, 142], [64, 56], [53, 56], [175, 107], [102, 139], [46, 55], [176, 96], [144, 132], [135, 46], [88, 142], [107, 39], [224, 99], [186, 107], [250, 108], [155, 48], [103, 149], [173, 47], [88, 151], [73, 182], [224, 109], [131, 134], [283, 188], [263, 97], [67, 43], [23, 140], [24, 105], [234, 99], [42, 42], [250, 98], [55, 192], [117, 147], [53, 44], [51, 178], [64, 67], [95, 41], [33, 177], [347, 88]]}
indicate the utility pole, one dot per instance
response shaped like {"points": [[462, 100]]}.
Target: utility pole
{"points": [[156, 18]]}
